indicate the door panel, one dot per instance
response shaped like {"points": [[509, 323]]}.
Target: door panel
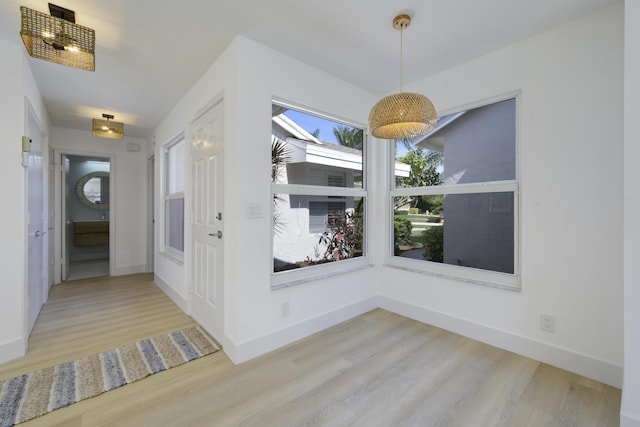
{"points": [[37, 245], [66, 225], [206, 142]]}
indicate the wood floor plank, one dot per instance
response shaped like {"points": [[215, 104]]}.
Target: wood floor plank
{"points": [[378, 369]]}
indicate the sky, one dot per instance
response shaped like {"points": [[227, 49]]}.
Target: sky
{"points": [[311, 123]]}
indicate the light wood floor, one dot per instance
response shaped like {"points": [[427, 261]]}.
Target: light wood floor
{"points": [[378, 369]]}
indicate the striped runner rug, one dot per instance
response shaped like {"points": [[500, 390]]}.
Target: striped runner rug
{"points": [[31, 395]]}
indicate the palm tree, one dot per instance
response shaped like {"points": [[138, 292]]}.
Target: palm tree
{"points": [[279, 158], [348, 136]]}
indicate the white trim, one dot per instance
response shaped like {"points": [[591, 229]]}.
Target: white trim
{"points": [[57, 159], [493, 279], [316, 190], [474, 188], [151, 212], [173, 256], [314, 112], [129, 269], [165, 196], [600, 370], [209, 105], [240, 352], [629, 420], [13, 349], [483, 102], [285, 279], [174, 196], [178, 299]]}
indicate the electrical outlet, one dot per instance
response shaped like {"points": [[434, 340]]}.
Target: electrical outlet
{"points": [[284, 309], [547, 323]]}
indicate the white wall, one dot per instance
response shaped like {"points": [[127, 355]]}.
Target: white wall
{"points": [[570, 159], [128, 181], [264, 74], [250, 75], [219, 81], [16, 83], [630, 412]]}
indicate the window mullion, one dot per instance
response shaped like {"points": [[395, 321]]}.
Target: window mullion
{"points": [[481, 187], [316, 190]]}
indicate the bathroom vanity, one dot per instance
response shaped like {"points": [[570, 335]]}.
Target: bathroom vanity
{"points": [[90, 233]]}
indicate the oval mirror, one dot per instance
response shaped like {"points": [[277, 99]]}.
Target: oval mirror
{"points": [[93, 190]]}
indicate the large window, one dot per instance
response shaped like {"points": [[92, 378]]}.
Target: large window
{"points": [[174, 170], [317, 188], [458, 206]]}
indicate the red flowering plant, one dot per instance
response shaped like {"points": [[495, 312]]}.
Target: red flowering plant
{"points": [[343, 238]]}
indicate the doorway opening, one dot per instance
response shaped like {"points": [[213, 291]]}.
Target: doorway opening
{"points": [[86, 216]]}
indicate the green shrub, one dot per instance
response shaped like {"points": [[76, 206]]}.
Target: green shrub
{"points": [[401, 213], [433, 218], [433, 243], [414, 211], [401, 232]]}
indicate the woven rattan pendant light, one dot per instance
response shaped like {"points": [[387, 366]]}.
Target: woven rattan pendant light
{"points": [[402, 115], [107, 128], [57, 38]]}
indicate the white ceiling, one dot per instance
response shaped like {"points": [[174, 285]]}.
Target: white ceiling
{"points": [[149, 54]]}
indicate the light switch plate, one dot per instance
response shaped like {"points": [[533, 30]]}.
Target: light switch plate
{"points": [[254, 210]]}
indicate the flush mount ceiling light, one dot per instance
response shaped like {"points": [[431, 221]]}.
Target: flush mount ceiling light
{"points": [[402, 115], [106, 128], [57, 38]]}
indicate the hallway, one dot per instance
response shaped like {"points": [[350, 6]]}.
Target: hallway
{"points": [[88, 269]]}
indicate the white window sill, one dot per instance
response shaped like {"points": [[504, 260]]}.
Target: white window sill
{"points": [[509, 282], [300, 276], [176, 258]]}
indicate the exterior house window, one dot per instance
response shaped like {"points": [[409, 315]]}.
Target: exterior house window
{"points": [[325, 210], [174, 170], [457, 212], [318, 191]]}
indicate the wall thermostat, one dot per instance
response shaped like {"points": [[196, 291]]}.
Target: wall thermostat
{"points": [[26, 144]]}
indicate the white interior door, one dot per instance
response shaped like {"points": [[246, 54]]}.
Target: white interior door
{"points": [[206, 142], [37, 245], [152, 215], [51, 222], [65, 229]]}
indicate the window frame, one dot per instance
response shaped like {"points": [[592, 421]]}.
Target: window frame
{"points": [[168, 196], [307, 274], [509, 281]]}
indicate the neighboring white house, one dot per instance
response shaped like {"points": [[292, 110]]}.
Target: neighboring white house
{"points": [[300, 219]]}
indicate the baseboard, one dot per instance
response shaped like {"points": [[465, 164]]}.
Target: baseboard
{"points": [[246, 350], [627, 420], [178, 299], [12, 350], [582, 364], [130, 269]]}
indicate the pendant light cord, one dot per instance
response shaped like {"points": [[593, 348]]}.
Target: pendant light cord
{"points": [[401, 60]]}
